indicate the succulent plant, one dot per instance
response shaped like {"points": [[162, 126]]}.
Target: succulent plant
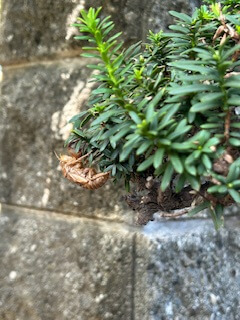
{"points": [[165, 115]]}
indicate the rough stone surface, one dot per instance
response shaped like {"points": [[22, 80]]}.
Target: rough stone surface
{"points": [[136, 18], [59, 267], [37, 102], [53, 268], [34, 28], [185, 270], [31, 29]]}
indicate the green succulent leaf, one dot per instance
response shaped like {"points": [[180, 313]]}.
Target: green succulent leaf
{"points": [[143, 147], [181, 16], [234, 142], [146, 164], [167, 176], [207, 162], [176, 162], [180, 183], [188, 89], [158, 158], [200, 207], [217, 216]]}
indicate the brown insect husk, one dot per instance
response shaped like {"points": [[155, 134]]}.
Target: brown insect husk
{"points": [[74, 170]]}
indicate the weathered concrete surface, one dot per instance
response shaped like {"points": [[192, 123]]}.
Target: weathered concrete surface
{"points": [[58, 268], [185, 270], [34, 28], [136, 18], [37, 102], [41, 28]]}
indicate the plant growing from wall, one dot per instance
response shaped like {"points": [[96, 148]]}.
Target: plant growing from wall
{"points": [[164, 117]]}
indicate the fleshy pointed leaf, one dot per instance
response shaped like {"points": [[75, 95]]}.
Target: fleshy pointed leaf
{"points": [[199, 208], [145, 164], [176, 162], [158, 158], [167, 176]]}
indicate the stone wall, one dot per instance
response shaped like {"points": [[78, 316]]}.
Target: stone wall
{"points": [[73, 254]]}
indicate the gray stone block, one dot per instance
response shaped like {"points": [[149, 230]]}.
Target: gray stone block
{"points": [[58, 268], [37, 102], [186, 270], [136, 18], [34, 28], [42, 28]]}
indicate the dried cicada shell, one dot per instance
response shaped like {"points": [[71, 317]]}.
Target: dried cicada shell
{"points": [[73, 169]]}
